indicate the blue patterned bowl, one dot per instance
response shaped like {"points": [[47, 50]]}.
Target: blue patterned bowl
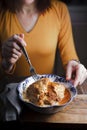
{"points": [[48, 109]]}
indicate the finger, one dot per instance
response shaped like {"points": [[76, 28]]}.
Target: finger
{"points": [[68, 71], [14, 45], [19, 40], [13, 55], [16, 56], [9, 50], [78, 76], [12, 51], [12, 59], [16, 52], [83, 77]]}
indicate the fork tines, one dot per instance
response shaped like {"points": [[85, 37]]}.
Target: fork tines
{"points": [[32, 71], [34, 74]]}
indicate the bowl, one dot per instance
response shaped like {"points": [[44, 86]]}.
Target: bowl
{"points": [[51, 108]]}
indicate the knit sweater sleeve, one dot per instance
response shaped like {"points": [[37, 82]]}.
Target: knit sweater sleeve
{"points": [[66, 43]]}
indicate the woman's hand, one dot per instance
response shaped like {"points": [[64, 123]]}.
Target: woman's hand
{"points": [[76, 72], [11, 51]]}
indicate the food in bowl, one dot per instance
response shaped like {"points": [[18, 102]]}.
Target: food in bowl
{"points": [[69, 94], [45, 92]]}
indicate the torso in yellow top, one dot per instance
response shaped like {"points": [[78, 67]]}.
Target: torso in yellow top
{"points": [[52, 30]]}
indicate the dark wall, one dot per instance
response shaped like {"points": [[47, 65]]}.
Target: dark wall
{"points": [[75, 2]]}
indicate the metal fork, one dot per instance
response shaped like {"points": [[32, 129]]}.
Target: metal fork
{"points": [[32, 69]]}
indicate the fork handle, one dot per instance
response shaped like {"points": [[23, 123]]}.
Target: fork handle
{"points": [[25, 54]]}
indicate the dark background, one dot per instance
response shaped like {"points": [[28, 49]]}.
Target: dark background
{"points": [[75, 2]]}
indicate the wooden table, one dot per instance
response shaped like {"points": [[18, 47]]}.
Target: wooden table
{"points": [[73, 116]]}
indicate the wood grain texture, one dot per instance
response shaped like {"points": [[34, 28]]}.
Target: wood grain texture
{"points": [[75, 112]]}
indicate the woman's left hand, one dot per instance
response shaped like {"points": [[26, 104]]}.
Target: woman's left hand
{"points": [[76, 72]]}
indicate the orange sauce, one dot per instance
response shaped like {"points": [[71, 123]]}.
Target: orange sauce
{"points": [[66, 98]]}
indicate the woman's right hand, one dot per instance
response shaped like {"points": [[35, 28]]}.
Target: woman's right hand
{"points": [[11, 51]]}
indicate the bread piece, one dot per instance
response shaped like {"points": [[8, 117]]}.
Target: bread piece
{"points": [[45, 92]]}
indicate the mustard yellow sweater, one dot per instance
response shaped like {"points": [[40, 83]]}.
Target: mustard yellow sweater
{"points": [[52, 30]]}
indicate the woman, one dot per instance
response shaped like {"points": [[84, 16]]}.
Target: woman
{"points": [[41, 26]]}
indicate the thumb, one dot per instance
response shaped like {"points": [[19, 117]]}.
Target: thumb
{"points": [[21, 35]]}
